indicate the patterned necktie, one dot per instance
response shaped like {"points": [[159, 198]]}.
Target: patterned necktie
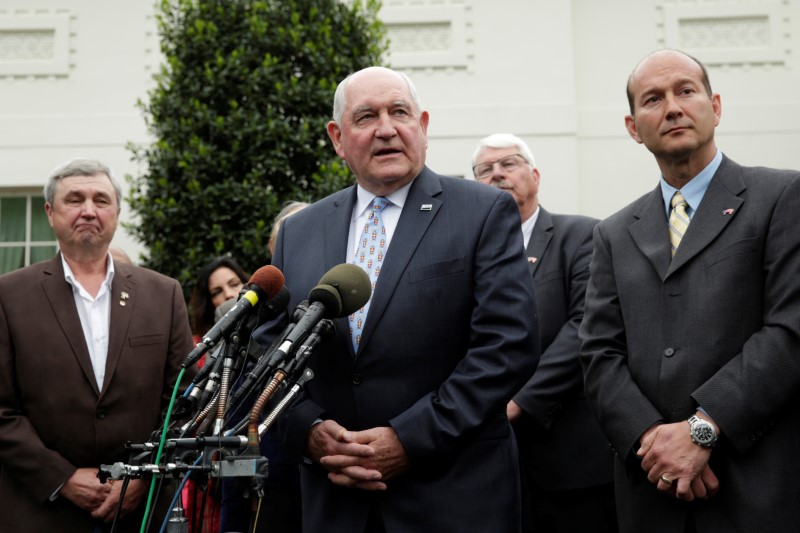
{"points": [[678, 220], [369, 256]]}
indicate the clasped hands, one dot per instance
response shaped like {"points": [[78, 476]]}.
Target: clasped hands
{"points": [[84, 489], [675, 464], [358, 459]]}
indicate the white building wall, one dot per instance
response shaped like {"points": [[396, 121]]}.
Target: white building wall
{"points": [[72, 92], [551, 71]]}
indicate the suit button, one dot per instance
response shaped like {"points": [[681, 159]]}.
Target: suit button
{"points": [[357, 379], [669, 352], [101, 415]]}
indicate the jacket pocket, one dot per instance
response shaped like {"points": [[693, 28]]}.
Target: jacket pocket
{"points": [[436, 270]]}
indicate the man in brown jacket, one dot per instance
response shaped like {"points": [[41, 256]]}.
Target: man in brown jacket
{"points": [[89, 352]]}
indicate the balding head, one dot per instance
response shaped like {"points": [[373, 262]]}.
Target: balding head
{"points": [[660, 55]]}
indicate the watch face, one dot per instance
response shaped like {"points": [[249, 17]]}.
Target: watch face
{"points": [[704, 433]]}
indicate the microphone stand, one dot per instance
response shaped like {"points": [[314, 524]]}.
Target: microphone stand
{"points": [[219, 453]]}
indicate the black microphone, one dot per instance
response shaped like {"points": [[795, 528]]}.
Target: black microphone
{"points": [[265, 283], [273, 307], [343, 290], [267, 359], [226, 306], [324, 330]]}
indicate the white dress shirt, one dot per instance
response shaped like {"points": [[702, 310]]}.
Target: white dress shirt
{"points": [[95, 315]]}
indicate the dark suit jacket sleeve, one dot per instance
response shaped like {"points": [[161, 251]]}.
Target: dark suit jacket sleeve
{"points": [[503, 348], [558, 378], [607, 377], [22, 453], [765, 375]]}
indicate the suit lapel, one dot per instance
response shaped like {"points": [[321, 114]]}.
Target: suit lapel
{"points": [[540, 238], [336, 231], [337, 227], [59, 294], [123, 301], [711, 216], [411, 227], [650, 232]]}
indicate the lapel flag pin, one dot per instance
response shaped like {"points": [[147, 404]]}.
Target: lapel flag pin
{"points": [[426, 207], [728, 211]]}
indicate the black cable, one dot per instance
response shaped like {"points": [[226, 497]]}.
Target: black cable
{"points": [[122, 492]]}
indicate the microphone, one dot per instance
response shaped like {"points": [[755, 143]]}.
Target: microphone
{"points": [[264, 284], [223, 309], [267, 359], [267, 311], [343, 290], [275, 306], [324, 330]]}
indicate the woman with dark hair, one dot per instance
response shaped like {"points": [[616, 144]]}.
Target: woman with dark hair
{"points": [[219, 280]]}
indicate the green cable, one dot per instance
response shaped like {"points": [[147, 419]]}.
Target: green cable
{"points": [[160, 449]]}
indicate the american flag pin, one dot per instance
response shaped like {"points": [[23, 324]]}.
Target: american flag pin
{"points": [[532, 260], [728, 211], [426, 207]]}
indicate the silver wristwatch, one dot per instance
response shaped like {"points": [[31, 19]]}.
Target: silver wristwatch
{"points": [[702, 432]]}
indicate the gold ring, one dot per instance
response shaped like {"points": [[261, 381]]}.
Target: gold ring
{"points": [[666, 480]]}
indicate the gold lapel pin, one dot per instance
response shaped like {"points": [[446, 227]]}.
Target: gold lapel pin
{"points": [[122, 297]]}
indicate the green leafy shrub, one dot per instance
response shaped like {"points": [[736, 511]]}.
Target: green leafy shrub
{"points": [[238, 115]]}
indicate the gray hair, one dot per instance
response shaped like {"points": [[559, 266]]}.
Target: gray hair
{"points": [[79, 167], [505, 140], [339, 96], [289, 208]]}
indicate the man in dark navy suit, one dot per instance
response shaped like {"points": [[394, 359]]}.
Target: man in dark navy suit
{"points": [[404, 427]]}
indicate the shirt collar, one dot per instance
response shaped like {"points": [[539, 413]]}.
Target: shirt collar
{"points": [[528, 225], [364, 198], [694, 190], [69, 276]]}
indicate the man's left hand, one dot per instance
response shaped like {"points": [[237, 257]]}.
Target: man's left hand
{"points": [[133, 496], [667, 450]]}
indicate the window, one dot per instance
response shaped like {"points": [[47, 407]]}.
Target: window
{"points": [[25, 235]]}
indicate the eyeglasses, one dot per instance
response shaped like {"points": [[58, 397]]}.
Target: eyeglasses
{"points": [[508, 163]]}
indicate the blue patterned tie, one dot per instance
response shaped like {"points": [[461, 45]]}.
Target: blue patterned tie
{"points": [[369, 256]]}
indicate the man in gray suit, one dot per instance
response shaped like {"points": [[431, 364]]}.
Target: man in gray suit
{"points": [[691, 335], [565, 461], [404, 426], [89, 351]]}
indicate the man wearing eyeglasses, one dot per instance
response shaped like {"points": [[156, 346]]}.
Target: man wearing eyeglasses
{"points": [[565, 462]]}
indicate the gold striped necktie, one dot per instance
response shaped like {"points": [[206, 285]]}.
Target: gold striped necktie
{"points": [[678, 220]]}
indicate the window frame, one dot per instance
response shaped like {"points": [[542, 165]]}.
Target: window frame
{"points": [[29, 194]]}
